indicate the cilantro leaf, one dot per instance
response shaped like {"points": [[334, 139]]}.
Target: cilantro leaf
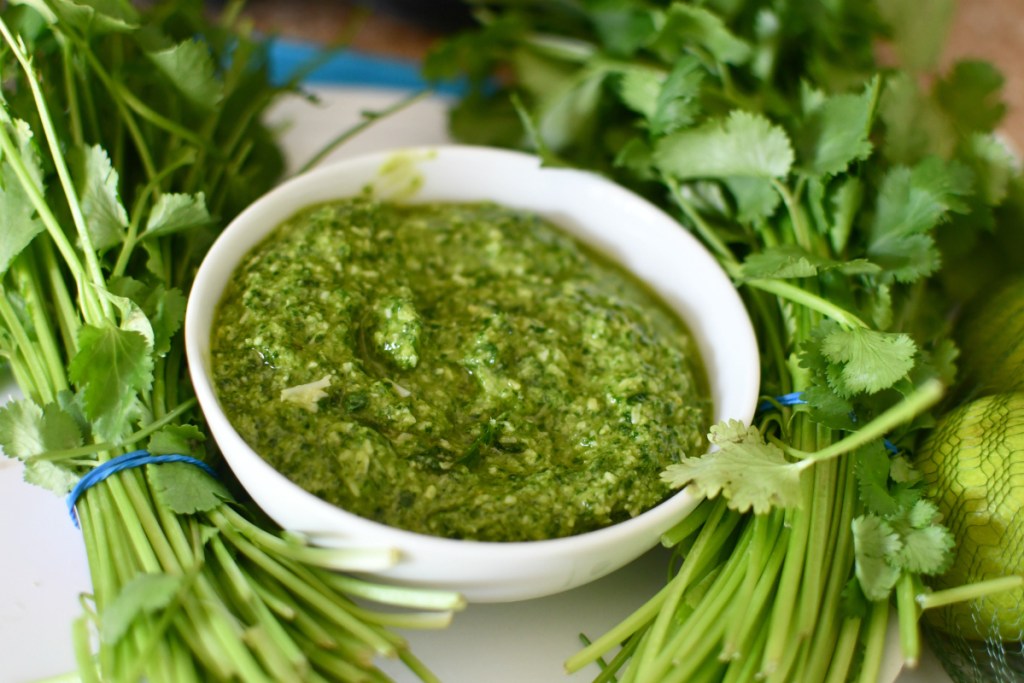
{"points": [[678, 102], [749, 472], [742, 145], [111, 366], [755, 198], [994, 166], [176, 440], [971, 93], [569, 113], [871, 467], [854, 603], [98, 16], [847, 199], [687, 25], [186, 489], [21, 224], [927, 550], [27, 429], [174, 212], [638, 88], [143, 594], [927, 545], [163, 309], [667, 103], [867, 360], [105, 216], [916, 126], [51, 476], [835, 132], [911, 202], [919, 36], [189, 67], [791, 261], [623, 27], [923, 514], [874, 542], [902, 472], [827, 408], [783, 261]]}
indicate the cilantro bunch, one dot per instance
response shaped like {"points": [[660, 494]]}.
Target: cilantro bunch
{"points": [[128, 138], [856, 204]]}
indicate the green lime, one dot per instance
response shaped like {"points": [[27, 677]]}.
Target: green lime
{"points": [[973, 465]]}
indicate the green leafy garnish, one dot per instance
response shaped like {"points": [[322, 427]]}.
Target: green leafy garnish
{"points": [[750, 473], [127, 138], [854, 204]]}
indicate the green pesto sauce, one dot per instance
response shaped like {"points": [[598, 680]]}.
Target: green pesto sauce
{"points": [[458, 370]]}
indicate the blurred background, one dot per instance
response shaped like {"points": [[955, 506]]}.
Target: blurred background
{"points": [[404, 29]]}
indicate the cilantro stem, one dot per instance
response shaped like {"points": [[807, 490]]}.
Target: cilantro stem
{"points": [[352, 559], [307, 588], [688, 525], [923, 398], [43, 392], [369, 118], [703, 633], [131, 237], [744, 669], [841, 657], [83, 650], [91, 305], [790, 583], [25, 272], [57, 156], [970, 591], [71, 99], [386, 594], [801, 230], [820, 512], [126, 118], [874, 641], [828, 632], [94, 535], [711, 539], [155, 118], [766, 573], [68, 320], [627, 627], [907, 614], [707, 234], [789, 292]]}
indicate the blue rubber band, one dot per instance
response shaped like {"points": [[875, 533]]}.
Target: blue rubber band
{"points": [[124, 462], [796, 398]]}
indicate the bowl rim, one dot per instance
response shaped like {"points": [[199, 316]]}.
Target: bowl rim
{"points": [[670, 510]]}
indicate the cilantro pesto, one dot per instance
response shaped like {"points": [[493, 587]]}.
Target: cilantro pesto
{"points": [[466, 371]]}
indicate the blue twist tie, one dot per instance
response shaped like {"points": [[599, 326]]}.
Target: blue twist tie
{"points": [[124, 462]]}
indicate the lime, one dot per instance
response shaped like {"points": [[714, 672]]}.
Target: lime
{"points": [[973, 466]]}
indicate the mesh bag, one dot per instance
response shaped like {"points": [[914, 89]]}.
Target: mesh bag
{"points": [[969, 660], [975, 464]]}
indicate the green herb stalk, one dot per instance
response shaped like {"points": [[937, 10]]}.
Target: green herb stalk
{"points": [[851, 202], [127, 139]]}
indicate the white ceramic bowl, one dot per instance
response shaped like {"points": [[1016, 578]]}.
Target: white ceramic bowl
{"points": [[624, 226]]}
